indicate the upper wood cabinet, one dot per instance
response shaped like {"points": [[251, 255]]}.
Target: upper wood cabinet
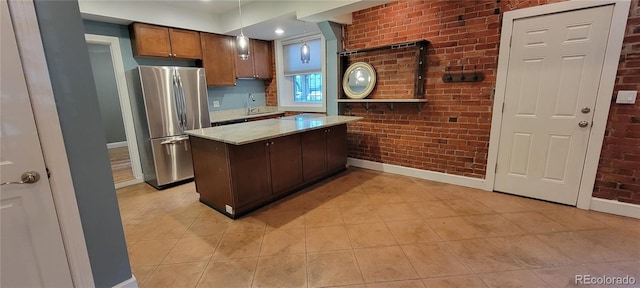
{"points": [[159, 41], [217, 59], [259, 63]]}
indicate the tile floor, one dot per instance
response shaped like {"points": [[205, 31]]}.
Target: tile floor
{"points": [[370, 229]]}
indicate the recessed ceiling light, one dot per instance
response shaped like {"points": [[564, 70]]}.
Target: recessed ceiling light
{"points": [[279, 31]]}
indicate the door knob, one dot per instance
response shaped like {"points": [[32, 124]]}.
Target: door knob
{"points": [[583, 123], [27, 178], [585, 110]]}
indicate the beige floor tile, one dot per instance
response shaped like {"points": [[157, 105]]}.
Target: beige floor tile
{"points": [[503, 203], [176, 275], [290, 203], [384, 264], [465, 281], [482, 255], [574, 219], [397, 284], [281, 271], [237, 273], [623, 242], [468, 207], [477, 226], [434, 260], [192, 249], [188, 210], [239, 245], [360, 215], [618, 269], [531, 252], [168, 228], [561, 277], [205, 226], [432, 209], [579, 248], [353, 199], [370, 235], [397, 212], [249, 223], [134, 232], [412, 231], [512, 279], [150, 252], [327, 239], [333, 268], [285, 220], [450, 192], [323, 217], [416, 192], [534, 222], [277, 242], [142, 273], [615, 221], [382, 198]]}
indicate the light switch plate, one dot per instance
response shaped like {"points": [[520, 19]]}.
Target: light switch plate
{"points": [[626, 97], [216, 103]]}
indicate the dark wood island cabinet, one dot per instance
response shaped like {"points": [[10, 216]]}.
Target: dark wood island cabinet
{"points": [[235, 178]]}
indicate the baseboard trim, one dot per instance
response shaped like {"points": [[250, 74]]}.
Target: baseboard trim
{"points": [[116, 144], [129, 183], [418, 173], [615, 207], [129, 283]]}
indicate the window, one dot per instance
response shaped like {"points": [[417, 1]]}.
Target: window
{"points": [[302, 85]]}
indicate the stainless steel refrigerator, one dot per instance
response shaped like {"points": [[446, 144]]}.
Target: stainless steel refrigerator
{"points": [[169, 101]]}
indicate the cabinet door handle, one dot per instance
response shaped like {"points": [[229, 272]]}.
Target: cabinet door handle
{"points": [[267, 143], [271, 142]]}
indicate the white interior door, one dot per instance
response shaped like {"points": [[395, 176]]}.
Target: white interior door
{"points": [[32, 251], [553, 75]]}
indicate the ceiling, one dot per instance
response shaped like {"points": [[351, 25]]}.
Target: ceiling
{"points": [[260, 18]]}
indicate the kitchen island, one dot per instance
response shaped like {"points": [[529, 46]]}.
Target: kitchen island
{"points": [[240, 167]]}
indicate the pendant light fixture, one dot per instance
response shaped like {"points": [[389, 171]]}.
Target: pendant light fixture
{"points": [[242, 42], [305, 52]]}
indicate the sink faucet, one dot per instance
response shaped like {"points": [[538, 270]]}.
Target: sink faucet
{"points": [[249, 100]]}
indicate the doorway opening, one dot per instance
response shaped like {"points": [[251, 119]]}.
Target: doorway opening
{"points": [[113, 98]]}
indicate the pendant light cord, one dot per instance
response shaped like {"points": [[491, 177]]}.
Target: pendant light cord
{"points": [[240, 10]]}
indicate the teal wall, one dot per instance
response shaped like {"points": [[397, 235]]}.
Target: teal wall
{"points": [[77, 103], [232, 97]]}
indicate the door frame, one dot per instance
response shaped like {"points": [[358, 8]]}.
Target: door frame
{"points": [[603, 100], [125, 105], [36, 72]]}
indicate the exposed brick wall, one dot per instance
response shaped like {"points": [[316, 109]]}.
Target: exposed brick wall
{"points": [[451, 133], [618, 176], [271, 85]]}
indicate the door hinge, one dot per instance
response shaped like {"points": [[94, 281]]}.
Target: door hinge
{"points": [[48, 173], [496, 168], [502, 107], [510, 40]]}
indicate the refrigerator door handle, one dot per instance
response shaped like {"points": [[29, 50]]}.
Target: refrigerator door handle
{"points": [[175, 140], [184, 104], [176, 99]]}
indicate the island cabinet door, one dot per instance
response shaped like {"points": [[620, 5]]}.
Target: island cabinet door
{"points": [[314, 154], [250, 173], [336, 148], [286, 163]]}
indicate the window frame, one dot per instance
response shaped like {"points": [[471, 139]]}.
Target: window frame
{"points": [[285, 84]]}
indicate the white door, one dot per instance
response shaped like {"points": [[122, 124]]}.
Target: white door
{"points": [[32, 251], [552, 82]]}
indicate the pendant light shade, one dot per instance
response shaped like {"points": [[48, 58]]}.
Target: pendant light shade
{"points": [[242, 42], [305, 52]]}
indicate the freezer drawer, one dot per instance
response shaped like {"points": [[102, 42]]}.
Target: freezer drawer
{"points": [[172, 157]]}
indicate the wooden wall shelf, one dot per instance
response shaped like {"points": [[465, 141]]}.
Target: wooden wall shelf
{"points": [[389, 102]]}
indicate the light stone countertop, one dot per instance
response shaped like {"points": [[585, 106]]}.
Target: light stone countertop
{"points": [[249, 132], [238, 114]]}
